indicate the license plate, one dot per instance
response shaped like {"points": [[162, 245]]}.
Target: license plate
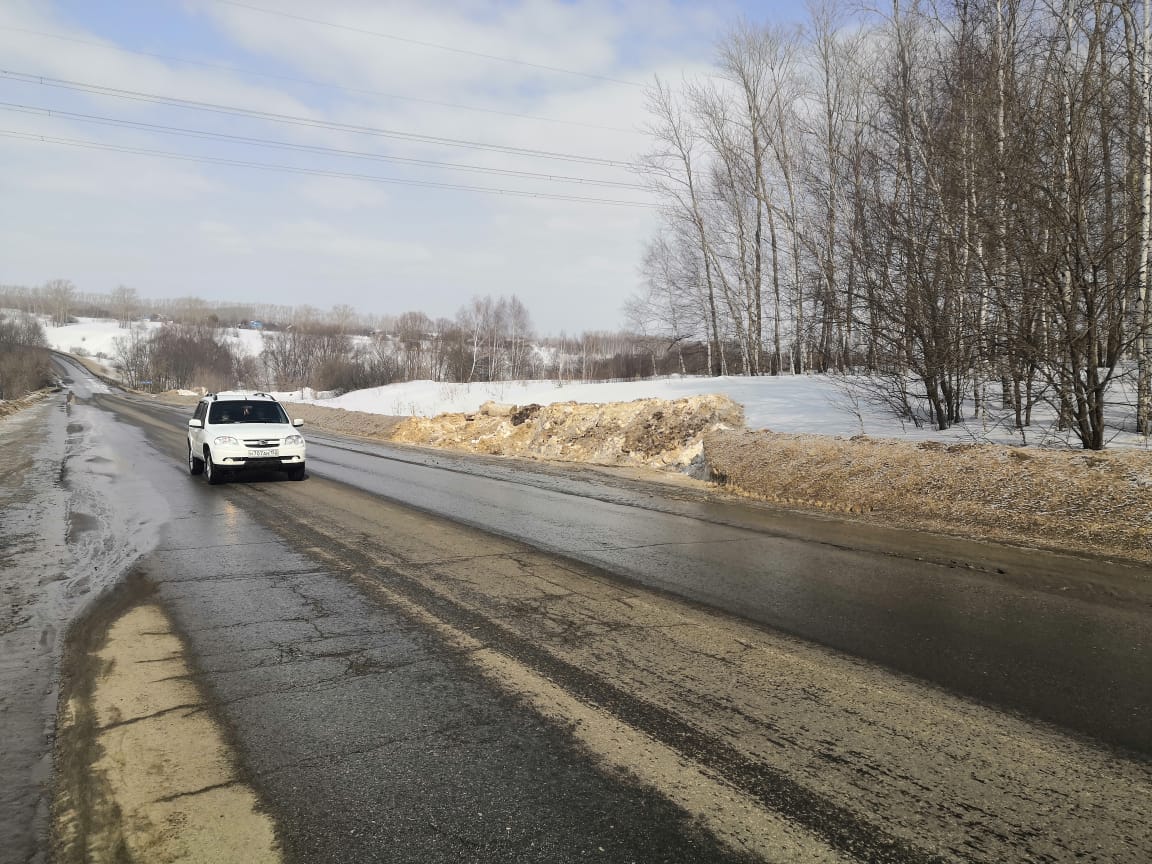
{"points": [[273, 452]]}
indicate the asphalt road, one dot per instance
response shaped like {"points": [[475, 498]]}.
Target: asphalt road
{"points": [[1060, 638], [429, 658]]}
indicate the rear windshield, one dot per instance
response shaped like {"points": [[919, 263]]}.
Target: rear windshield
{"points": [[246, 412]]}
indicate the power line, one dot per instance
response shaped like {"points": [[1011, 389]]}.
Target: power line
{"points": [[315, 172], [224, 67], [307, 148], [294, 120], [423, 44]]}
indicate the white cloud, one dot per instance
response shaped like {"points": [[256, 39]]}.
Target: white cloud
{"points": [[342, 195], [172, 228], [223, 238]]}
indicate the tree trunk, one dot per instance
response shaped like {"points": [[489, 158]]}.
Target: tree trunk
{"points": [[1144, 337]]}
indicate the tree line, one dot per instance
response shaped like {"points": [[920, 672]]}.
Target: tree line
{"points": [[61, 302], [951, 197], [25, 363], [490, 339]]}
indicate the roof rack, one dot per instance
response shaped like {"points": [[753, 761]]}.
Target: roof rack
{"points": [[239, 393]]}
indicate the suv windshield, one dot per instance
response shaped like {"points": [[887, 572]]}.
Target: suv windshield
{"points": [[246, 412]]}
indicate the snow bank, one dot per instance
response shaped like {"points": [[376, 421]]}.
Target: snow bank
{"points": [[784, 403]]}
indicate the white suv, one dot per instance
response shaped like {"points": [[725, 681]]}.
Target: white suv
{"points": [[243, 431]]}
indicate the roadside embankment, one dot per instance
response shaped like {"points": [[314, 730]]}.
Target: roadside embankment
{"points": [[143, 772], [1092, 502]]}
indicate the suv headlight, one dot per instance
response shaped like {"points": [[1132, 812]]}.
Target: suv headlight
{"points": [[294, 441], [226, 439]]}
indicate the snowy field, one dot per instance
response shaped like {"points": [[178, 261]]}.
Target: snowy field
{"points": [[816, 404], [94, 337], [90, 337]]}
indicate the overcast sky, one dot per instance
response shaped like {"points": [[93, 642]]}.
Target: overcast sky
{"points": [[171, 227]]}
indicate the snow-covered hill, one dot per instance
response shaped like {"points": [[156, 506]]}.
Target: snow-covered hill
{"points": [[96, 337]]}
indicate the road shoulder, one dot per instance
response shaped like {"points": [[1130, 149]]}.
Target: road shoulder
{"points": [[144, 773]]}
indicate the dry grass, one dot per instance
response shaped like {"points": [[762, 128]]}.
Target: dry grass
{"points": [[1099, 503]]}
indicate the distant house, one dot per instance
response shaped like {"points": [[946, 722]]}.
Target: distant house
{"points": [[255, 325]]}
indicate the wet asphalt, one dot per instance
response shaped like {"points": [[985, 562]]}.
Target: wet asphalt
{"points": [[73, 517], [1032, 645], [34, 609]]}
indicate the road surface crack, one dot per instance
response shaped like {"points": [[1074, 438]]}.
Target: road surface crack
{"points": [[205, 789], [190, 707]]}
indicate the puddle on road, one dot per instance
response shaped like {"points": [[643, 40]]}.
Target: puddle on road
{"points": [[73, 517]]}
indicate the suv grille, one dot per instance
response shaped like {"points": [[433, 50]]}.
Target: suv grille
{"points": [[261, 442]]}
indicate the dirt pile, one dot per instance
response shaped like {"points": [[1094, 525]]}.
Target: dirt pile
{"points": [[652, 432], [1078, 501]]}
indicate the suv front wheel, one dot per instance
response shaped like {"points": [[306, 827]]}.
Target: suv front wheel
{"points": [[195, 466], [211, 472]]}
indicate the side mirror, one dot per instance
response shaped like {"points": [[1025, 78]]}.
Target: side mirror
{"points": [[196, 424], [297, 422]]}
